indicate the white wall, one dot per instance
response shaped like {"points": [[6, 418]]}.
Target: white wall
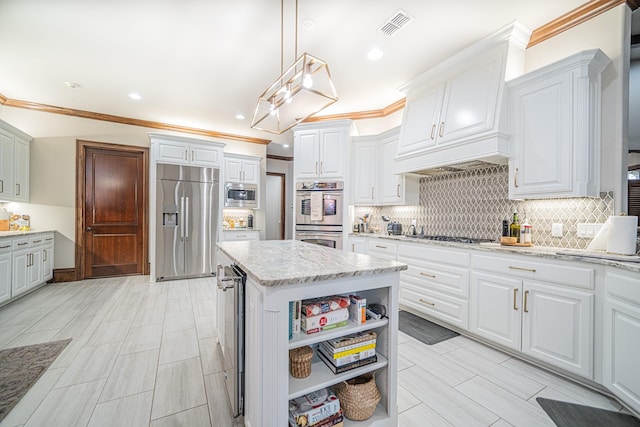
{"points": [[609, 32]]}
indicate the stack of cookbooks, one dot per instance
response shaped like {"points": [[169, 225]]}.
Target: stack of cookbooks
{"points": [[349, 352], [317, 409], [324, 313]]}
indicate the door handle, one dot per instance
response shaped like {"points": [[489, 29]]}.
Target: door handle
{"points": [[515, 295], [316, 168], [17, 189], [89, 229], [186, 218], [433, 131], [526, 294], [441, 129], [398, 190], [183, 217], [44, 255]]}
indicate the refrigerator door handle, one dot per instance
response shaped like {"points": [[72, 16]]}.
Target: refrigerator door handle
{"points": [[183, 217], [186, 218]]}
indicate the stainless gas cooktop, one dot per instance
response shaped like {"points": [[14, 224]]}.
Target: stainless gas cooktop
{"points": [[449, 238]]}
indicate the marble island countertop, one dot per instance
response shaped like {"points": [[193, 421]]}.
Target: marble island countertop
{"points": [[286, 262], [632, 263]]}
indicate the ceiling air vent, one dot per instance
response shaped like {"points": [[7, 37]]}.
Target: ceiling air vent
{"points": [[395, 23]]}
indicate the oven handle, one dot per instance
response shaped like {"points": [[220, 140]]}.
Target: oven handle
{"points": [[225, 283]]}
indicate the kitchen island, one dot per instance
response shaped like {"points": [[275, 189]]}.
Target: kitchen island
{"points": [[279, 272]]}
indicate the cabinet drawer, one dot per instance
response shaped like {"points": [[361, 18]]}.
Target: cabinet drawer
{"points": [[37, 240], [48, 239], [230, 236], [5, 245], [449, 309], [384, 249], [623, 285], [541, 269], [443, 278], [408, 252], [21, 243]]}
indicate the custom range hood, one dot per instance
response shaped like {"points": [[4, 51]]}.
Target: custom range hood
{"points": [[456, 112]]}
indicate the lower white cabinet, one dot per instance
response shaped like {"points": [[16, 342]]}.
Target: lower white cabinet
{"points": [[20, 282], [548, 321], [358, 245], [383, 248], [621, 336], [5, 270], [238, 235], [27, 264]]}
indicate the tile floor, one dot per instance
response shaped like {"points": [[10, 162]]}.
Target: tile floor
{"points": [[146, 354]]}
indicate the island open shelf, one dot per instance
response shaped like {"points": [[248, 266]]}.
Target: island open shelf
{"points": [[302, 339]]}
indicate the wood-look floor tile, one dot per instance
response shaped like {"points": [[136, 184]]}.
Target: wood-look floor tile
{"points": [[198, 416], [421, 416], [519, 385], [148, 315], [206, 327], [219, 407], [406, 400], [9, 333], [26, 316], [178, 345], [84, 324], [403, 362], [443, 368], [67, 406], [91, 363], [70, 352], [179, 320], [130, 411], [29, 403], [448, 402], [504, 403], [110, 332], [30, 338], [179, 386], [483, 350], [131, 374], [211, 356], [178, 303], [142, 338], [56, 319]]}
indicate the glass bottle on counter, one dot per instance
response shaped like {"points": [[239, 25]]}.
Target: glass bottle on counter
{"points": [[525, 232], [514, 228]]}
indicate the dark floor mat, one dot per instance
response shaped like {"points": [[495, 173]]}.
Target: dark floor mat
{"points": [[423, 330], [565, 414], [21, 367]]}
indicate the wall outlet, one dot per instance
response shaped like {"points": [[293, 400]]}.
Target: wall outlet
{"points": [[588, 230], [556, 229]]}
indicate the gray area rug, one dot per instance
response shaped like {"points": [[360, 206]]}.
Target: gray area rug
{"points": [[423, 330], [21, 367], [565, 414]]}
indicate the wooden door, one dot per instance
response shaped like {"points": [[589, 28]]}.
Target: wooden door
{"points": [[113, 197]]}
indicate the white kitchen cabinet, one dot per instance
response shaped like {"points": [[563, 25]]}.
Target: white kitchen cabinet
{"points": [[31, 261], [373, 177], [454, 111], [185, 151], [5, 269], [555, 129], [320, 150], [14, 164], [240, 235], [358, 245], [241, 169], [20, 267], [47, 258], [383, 248], [550, 321], [621, 336]]}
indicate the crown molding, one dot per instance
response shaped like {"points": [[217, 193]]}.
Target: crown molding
{"points": [[361, 115], [275, 157]]}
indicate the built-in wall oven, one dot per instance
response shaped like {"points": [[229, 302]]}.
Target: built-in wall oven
{"points": [[319, 208], [232, 280]]}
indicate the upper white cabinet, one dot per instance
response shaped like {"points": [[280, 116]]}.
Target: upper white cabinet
{"points": [[241, 169], [555, 129], [373, 177], [14, 164], [320, 149], [453, 111], [185, 151]]}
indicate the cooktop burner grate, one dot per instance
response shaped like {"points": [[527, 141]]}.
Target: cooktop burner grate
{"points": [[450, 239]]}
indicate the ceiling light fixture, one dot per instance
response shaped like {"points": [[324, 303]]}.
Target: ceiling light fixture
{"points": [[72, 85], [374, 54], [240, 116], [135, 96], [301, 91]]}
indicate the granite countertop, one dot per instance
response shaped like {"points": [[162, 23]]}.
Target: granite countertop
{"points": [[286, 262], [22, 233], [539, 251]]}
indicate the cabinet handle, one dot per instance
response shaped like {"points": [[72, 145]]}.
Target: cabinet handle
{"points": [[353, 247], [321, 169], [428, 275], [1, 186], [22, 244], [17, 189], [48, 239], [5, 247], [29, 260], [192, 156], [433, 131], [316, 168], [532, 270], [372, 193], [426, 302], [441, 130], [186, 155], [526, 294], [241, 236], [398, 190], [515, 178], [515, 296], [37, 241], [381, 247], [44, 255]]}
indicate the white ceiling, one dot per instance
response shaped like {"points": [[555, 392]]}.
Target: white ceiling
{"points": [[197, 63]]}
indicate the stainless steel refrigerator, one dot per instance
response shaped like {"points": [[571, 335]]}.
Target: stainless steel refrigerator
{"points": [[186, 229]]}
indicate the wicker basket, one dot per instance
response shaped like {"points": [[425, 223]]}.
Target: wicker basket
{"points": [[358, 397], [300, 361]]}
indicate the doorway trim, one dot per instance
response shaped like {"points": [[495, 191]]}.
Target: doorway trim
{"points": [[283, 200], [81, 148]]}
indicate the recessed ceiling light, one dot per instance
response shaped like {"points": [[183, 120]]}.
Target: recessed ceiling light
{"points": [[285, 145], [308, 24], [240, 116], [135, 96], [375, 54], [72, 85]]}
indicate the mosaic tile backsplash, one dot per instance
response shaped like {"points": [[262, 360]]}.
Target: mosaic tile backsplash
{"points": [[474, 203]]}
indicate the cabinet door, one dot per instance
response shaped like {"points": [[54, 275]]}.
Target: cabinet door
{"points": [[20, 280], [470, 101], [541, 132], [391, 185], [251, 171], [558, 326], [5, 276], [307, 149], [21, 171], [6, 166], [173, 152], [35, 267], [495, 308], [204, 156], [358, 245], [47, 263], [364, 173], [332, 147], [420, 121], [232, 170]]}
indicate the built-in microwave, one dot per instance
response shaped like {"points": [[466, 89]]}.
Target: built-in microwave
{"points": [[238, 195]]}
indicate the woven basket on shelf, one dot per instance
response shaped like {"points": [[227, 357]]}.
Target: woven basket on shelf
{"points": [[300, 361], [358, 397]]}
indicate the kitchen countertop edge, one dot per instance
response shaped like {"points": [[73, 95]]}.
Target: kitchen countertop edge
{"points": [[23, 233]]}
